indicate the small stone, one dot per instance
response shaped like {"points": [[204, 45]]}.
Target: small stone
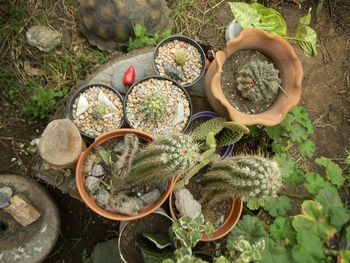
{"points": [[92, 184], [219, 222], [102, 197], [5, 195], [43, 38], [179, 113], [172, 72], [97, 170], [82, 106], [119, 147], [186, 204], [150, 197], [117, 79], [124, 204]]}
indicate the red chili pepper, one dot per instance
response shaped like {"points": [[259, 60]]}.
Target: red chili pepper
{"points": [[129, 76]]}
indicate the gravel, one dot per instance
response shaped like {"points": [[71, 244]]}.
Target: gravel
{"points": [[170, 121], [111, 120], [167, 66]]}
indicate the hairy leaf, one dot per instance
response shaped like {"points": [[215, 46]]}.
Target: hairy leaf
{"points": [[307, 148], [273, 253], [308, 249], [278, 206], [282, 230], [333, 172], [333, 206], [291, 175], [314, 182]]}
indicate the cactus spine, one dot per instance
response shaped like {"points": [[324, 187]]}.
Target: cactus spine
{"points": [[154, 106], [164, 158], [243, 176], [258, 81]]}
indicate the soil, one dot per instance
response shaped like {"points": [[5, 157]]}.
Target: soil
{"points": [[154, 223], [232, 66]]}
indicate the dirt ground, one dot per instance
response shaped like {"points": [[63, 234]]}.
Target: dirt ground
{"points": [[326, 95]]}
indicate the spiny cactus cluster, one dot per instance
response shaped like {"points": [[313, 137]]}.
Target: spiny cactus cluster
{"points": [[164, 158], [258, 81], [154, 106], [180, 58], [242, 176], [99, 111]]}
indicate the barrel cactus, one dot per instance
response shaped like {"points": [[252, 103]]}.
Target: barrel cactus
{"points": [[154, 106], [164, 158], [243, 176], [99, 111], [180, 58], [258, 81]]}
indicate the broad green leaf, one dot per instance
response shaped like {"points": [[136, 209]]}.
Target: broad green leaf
{"points": [[278, 206], [159, 239], [282, 230], [105, 156], [245, 15], [307, 148], [291, 175], [251, 228], [333, 206], [347, 235], [314, 182], [344, 256], [313, 221], [333, 172], [271, 20], [274, 132], [139, 30], [255, 204], [309, 248], [273, 253], [305, 36], [298, 115]]}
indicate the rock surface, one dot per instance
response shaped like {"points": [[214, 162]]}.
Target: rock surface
{"points": [[150, 197], [124, 204], [103, 197], [117, 79], [5, 196], [186, 204], [92, 184], [43, 38], [22, 211], [97, 170]]}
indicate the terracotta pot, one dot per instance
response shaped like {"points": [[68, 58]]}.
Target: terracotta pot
{"points": [[284, 57], [226, 227], [80, 178]]}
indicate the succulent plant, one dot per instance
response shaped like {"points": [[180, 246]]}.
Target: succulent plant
{"points": [[154, 106], [99, 111], [164, 158], [258, 81], [242, 176], [180, 58]]}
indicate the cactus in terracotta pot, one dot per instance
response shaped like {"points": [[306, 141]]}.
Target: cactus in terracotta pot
{"points": [[258, 81], [164, 158], [242, 176]]}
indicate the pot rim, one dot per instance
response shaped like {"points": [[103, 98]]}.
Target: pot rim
{"points": [[76, 95], [88, 200], [189, 41], [125, 101]]}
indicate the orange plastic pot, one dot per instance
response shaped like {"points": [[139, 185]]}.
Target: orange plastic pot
{"points": [[90, 202], [226, 227]]}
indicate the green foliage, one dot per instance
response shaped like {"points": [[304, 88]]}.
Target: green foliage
{"points": [[291, 174], [163, 158], [144, 38], [244, 176], [99, 111], [308, 249], [282, 230], [273, 253], [333, 172], [256, 15], [242, 251], [154, 106], [277, 206], [258, 81], [315, 182]]}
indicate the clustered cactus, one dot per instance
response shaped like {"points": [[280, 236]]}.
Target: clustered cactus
{"points": [[243, 176], [99, 111], [164, 158], [180, 58], [258, 81], [154, 106]]}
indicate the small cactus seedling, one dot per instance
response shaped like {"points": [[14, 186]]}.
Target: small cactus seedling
{"points": [[164, 158], [154, 106], [99, 111], [242, 176], [180, 58], [258, 81]]}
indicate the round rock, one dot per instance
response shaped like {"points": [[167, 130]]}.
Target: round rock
{"points": [[5, 195], [42, 37], [117, 79]]}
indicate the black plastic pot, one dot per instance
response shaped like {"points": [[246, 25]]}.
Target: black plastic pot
{"points": [[187, 40], [125, 103], [76, 95]]}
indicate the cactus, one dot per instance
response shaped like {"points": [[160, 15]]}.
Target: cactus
{"points": [[99, 111], [154, 106], [242, 176], [258, 81], [164, 158], [180, 58]]}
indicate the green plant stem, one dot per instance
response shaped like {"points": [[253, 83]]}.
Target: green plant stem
{"points": [[331, 252], [296, 196], [294, 38]]}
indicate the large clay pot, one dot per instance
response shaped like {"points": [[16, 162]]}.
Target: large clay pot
{"points": [[80, 178], [284, 57], [230, 222]]}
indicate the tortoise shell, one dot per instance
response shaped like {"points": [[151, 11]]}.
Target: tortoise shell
{"points": [[108, 24]]}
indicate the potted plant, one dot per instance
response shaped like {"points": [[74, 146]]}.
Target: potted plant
{"points": [[95, 109], [103, 181], [157, 105], [181, 59], [260, 91]]}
